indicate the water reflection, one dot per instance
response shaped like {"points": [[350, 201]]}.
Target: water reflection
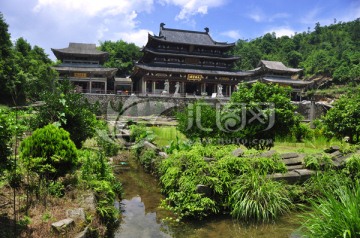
{"points": [[142, 217], [138, 224]]}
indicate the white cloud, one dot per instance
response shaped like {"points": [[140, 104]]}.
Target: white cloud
{"points": [[139, 37], [233, 34], [191, 8], [257, 14], [95, 7], [281, 31], [93, 20]]}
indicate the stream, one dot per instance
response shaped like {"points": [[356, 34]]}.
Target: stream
{"points": [[142, 217]]}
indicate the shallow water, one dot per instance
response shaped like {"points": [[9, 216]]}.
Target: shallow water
{"points": [[142, 217]]}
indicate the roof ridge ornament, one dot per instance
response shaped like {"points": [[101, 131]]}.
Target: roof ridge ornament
{"points": [[206, 29]]}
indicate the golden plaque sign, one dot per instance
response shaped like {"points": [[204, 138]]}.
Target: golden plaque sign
{"points": [[224, 78], [195, 77], [80, 75]]}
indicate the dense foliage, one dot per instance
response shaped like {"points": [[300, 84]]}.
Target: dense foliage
{"points": [[257, 198], [97, 174], [265, 111], [5, 139], [122, 55], [255, 115], [49, 152], [332, 51], [70, 110], [336, 213], [198, 120], [214, 168], [343, 119], [23, 69]]}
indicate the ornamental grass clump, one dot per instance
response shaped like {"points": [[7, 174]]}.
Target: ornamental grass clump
{"points": [[257, 198], [336, 214]]}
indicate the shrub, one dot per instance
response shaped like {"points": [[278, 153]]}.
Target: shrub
{"points": [[183, 170], [109, 146], [352, 167], [5, 138], [56, 189], [254, 197], [336, 214], [147, 158], [49, 151], [69, 110], [318, 161]]}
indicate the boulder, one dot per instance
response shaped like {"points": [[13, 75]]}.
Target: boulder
{"points": [[149, 145], [289, 155], [305, 174], [290, 177], [293, 161], [163, 154], [89, 202], [268, 154], [63, 226], [294, 167], [237, 152], [77, 213], [203, 189]]}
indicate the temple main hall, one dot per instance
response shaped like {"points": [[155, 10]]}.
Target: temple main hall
{"points": [[185, 63]]}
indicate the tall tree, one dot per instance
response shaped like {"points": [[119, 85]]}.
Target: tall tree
{"points": [[122, 55]]}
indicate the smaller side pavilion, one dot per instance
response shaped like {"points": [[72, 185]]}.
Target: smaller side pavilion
{"points": [[277, 72], [82, 64]]}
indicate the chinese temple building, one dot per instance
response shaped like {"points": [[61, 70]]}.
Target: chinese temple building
{"points": [[186, 62], [82, 64], [277, 72]]}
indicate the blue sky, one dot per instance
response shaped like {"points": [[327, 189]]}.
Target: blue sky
{"points": [[55, 23]]}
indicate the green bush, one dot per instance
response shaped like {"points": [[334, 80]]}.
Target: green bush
{"points": [[323, 181], [147, 157], [5, 139], [183, 170], [255, 198], [318, 161], [302, 131], [56, 189], [70, 110], [352, 167], [336, 214], [49, 151]]}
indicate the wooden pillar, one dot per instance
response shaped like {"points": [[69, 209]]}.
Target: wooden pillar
{"points": [[153, 87], [203, 88], [144, 86], [90, 86], [230, 90], [106, 87]]}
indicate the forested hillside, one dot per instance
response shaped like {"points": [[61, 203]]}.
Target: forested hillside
{"points": [[328, 51], [24, 69]]}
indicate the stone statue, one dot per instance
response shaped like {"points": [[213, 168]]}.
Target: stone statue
{"points": [[166, 87], [219, 90], [177, 88]]}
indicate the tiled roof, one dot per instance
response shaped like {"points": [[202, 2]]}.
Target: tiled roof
{"points": [[188, 37], [278, 66], [286, 81], [80, 48], [85, 69]]}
